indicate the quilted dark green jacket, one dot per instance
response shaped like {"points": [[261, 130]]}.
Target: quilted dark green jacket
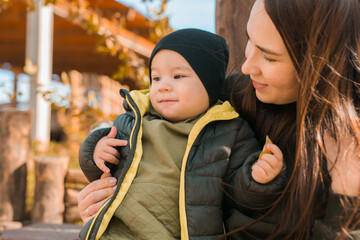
{"points": [[221, 147]]}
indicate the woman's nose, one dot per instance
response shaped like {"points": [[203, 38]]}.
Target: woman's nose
{"points": [[251, 65]]}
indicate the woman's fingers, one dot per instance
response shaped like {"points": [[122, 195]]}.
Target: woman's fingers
{"points": [[94, 208], [94, 201], [95, 192], [93, 196], [99, 195], [91, 211]]}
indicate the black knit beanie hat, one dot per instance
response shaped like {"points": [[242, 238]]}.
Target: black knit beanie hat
{"points": [[206, 52]]}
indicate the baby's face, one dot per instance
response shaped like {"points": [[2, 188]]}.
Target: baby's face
{"points": [[176, 92]]}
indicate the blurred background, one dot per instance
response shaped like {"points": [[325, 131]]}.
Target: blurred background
{"points": [[93, 42]]}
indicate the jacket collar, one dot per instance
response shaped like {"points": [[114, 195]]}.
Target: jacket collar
{"points": [[222, 111]]}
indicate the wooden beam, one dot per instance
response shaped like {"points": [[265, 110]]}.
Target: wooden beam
{"points": [[126, 38]]}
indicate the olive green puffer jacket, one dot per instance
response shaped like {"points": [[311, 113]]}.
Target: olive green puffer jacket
{"points": [[221, 146]]}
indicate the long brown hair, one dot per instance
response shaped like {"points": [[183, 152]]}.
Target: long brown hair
{"points": [[322, 38]]}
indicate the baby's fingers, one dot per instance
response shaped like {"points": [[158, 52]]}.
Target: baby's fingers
{"points": [[107, 157], [259, 174], [263, 171], [275, 151], [101, 164], [116, 142], [264, 165], [112, 151], [274, 163]]}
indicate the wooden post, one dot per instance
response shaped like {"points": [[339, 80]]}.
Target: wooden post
{"points": [[39, 51], [231, 20], [15, 127], [49, 189]]}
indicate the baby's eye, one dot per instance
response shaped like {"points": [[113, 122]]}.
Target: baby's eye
{"points": [[155, 78], [178, 76]]}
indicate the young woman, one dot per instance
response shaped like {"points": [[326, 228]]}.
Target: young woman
{"points": [[302, 89]]}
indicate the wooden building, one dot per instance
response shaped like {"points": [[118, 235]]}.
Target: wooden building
{"points": [[68, 44], [73, 46], [74, 52]]}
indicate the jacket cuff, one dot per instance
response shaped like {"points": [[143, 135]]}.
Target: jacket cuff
{"points": [[330, 226], [248, 192], [338, 206]]}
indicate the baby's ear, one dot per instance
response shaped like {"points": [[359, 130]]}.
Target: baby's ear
{"points": [[265, 149]]}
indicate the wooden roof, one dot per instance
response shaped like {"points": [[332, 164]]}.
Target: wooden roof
{"points": [[74, 47]]}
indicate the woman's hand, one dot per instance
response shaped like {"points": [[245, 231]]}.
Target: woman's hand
{"points": [[343, 165], [94, 195]]}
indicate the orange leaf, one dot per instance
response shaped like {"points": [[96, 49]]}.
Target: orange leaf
{"points": [[267, 141]]}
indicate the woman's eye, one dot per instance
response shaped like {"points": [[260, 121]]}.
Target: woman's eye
{"points": [[269, 59]]}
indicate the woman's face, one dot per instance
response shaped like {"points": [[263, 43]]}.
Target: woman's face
{"points": [[267, 61]]}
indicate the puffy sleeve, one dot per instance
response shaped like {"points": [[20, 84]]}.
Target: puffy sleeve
{"points": [[242, 188], [86, 152]]}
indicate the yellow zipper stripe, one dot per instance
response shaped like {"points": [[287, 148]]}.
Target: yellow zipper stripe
{"points": [[129, 177], [218, 112], [97, 214]]}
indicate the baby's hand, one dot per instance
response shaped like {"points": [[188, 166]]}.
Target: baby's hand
{"points": [[269, 165], [105, 151]]}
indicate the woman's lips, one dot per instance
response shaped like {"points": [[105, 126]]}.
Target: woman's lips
{"points": [[258, 86]]}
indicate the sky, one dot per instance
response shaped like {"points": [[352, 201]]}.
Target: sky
{"points": [[183, 13]]}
